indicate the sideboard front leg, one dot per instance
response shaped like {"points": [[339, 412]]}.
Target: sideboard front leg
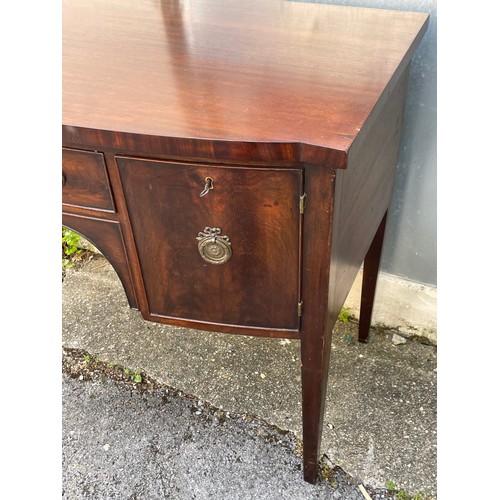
{"points": [[370, 274], [315, 362]]}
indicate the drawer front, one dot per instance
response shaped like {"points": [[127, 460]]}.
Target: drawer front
{"points": [[230, 256], [85, 180]]}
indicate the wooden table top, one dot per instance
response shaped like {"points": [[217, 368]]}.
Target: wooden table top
{"points": [[235, 70]]}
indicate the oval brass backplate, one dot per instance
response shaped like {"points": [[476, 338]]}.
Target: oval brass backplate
{"points": [[214, 248]]}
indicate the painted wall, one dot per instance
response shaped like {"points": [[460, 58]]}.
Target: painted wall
{"points": [[410, 243]]}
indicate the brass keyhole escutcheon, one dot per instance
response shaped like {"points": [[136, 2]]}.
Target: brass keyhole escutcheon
{"points": [[214, 248], [209, 184]]}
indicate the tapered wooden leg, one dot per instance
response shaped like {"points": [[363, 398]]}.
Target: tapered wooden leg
{"points": [[370, 273], [315, 362]]}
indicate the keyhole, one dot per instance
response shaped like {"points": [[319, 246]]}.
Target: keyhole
{"points": [[209, 184]]}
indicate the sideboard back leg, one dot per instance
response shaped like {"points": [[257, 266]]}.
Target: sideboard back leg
{"points": [[370, 274]]}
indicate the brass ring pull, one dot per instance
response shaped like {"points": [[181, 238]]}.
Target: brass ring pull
{"points": [[214, 248], [209, 184]]}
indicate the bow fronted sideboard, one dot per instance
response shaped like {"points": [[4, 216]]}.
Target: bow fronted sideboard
{"points": [[234, 161]]}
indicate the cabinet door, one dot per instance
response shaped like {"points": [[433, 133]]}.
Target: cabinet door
{"points": [[230, 256]]}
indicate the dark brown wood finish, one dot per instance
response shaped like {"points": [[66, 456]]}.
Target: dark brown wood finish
{"points": [[363, 194], [85, 180], [257, 209], [108, 239], [370, 274], [269, 98], [316, 335], [256, 72]]}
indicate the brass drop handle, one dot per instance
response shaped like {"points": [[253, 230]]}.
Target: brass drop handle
{"points": [[214, 248], [209, 184]]}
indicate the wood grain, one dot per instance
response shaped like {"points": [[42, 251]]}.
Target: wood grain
{"points": [[255, 71], [363, 194], [107, 237], [85, 180], [258, 209], [316, 332]]}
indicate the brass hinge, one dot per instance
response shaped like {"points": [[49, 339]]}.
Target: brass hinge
{"points": [[300, 306], [302, 203]]}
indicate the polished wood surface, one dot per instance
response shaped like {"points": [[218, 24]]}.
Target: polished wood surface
{"points": [[245, 70], [257, 209], [273, 100], [107, 236], [370, 275], [363, 193], [85, 180]]}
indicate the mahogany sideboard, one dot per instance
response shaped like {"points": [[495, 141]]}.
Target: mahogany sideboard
{"points": [[234, 161]]}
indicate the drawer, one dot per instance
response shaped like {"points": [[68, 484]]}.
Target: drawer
{"points": [[85, 180], [231, 256]]}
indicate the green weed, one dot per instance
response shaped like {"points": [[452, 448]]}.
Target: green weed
{"points": [[70, 241], [70, 248], [344, 314], [134, 376], [401, 494]]}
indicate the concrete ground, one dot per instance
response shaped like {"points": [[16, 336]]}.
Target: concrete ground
{"points": [[380, 415]]}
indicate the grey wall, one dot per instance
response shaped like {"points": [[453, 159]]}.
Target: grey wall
{"points": [[410, 242]]}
